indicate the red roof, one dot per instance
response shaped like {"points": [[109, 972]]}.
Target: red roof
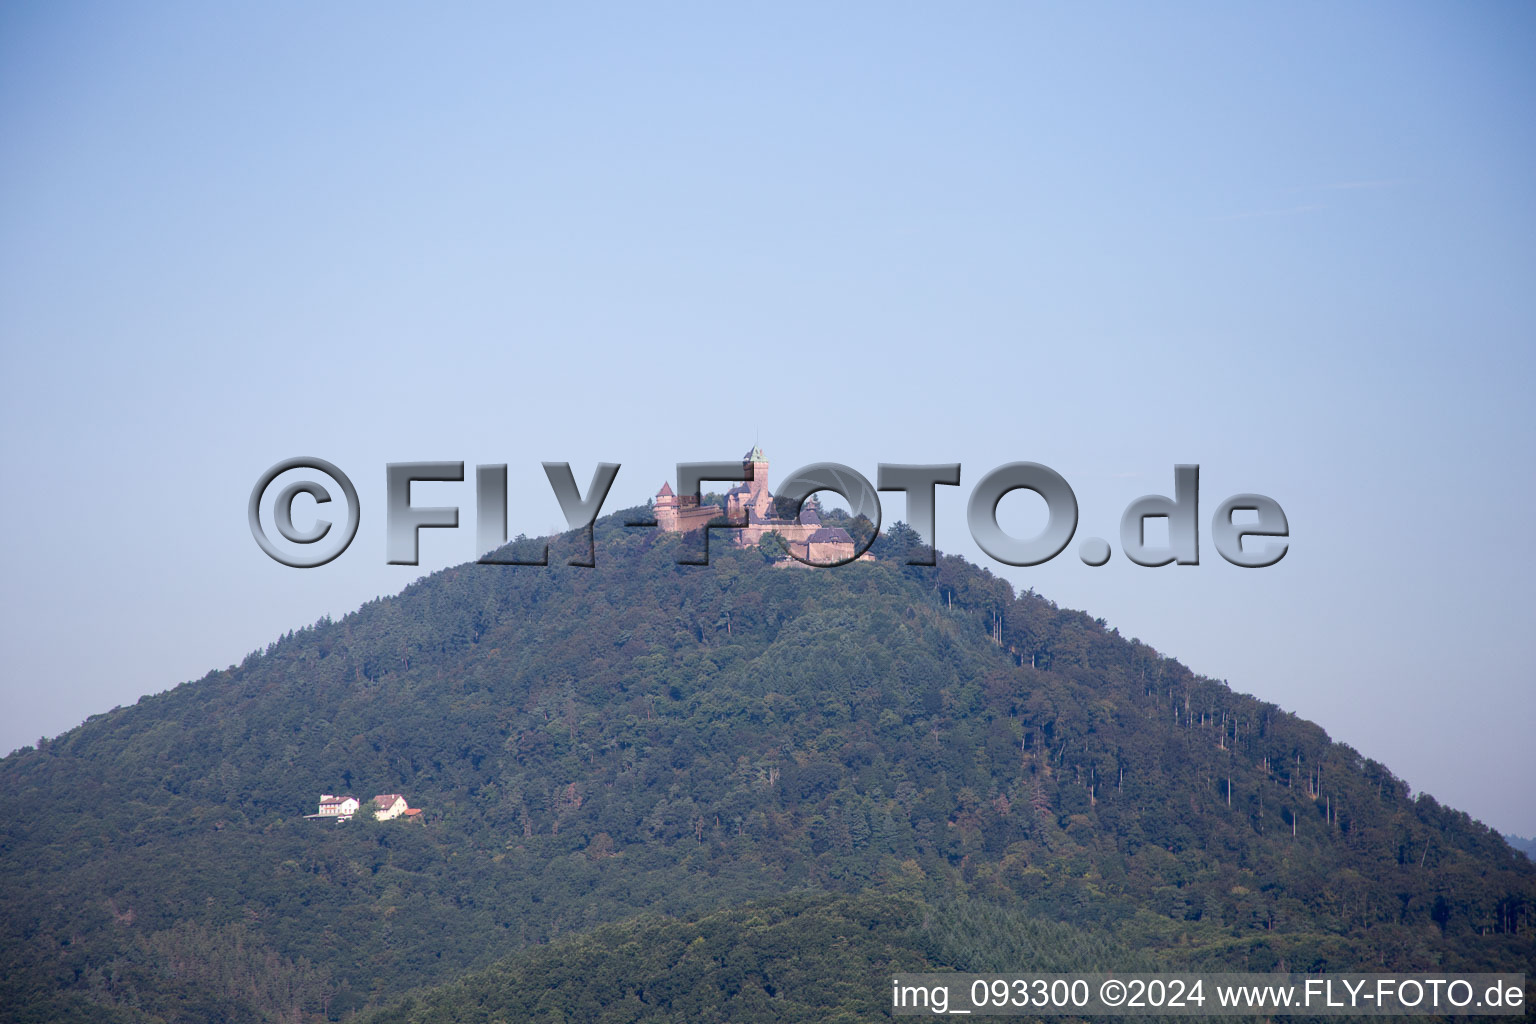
{"points": [[666, 490], [385, 799]]}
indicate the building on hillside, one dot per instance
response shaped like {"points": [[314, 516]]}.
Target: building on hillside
{"points": [[385, 807], [751, 504], [682, 515], [828, 545], [389, 805], [339, 807]]}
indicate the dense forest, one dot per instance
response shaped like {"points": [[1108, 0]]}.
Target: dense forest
{"points": [[652, 754], [802, 958]]}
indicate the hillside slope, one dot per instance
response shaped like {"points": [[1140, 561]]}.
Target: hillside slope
{"points": [[810, 958], [591, 744]]}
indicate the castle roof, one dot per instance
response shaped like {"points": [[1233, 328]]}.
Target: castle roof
{"points": [[666, 490], [755, 455], [830, 535]]}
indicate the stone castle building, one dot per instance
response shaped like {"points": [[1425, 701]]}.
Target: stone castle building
{"points": [[751, 504]]}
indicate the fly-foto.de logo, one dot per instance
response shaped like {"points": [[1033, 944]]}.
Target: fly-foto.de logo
{"points": [[748, 513]]}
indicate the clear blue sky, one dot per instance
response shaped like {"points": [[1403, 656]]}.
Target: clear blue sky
{"points": [[1294, 244]]}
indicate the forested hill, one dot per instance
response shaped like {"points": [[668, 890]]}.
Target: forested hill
{"points": [[591, 744]]}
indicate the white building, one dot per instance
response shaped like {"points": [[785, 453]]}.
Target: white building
{"points": [[339, 807], [389, 805], [385, 806]]}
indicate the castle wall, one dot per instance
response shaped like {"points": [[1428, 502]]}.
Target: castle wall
{"points": [[687, 518]]}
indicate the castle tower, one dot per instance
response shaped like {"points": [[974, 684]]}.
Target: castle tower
{"points": [[666, 508], [681, 513], [757, 498]]}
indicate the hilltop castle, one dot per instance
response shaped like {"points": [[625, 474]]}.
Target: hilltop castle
{"points": [[751, 503]]}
